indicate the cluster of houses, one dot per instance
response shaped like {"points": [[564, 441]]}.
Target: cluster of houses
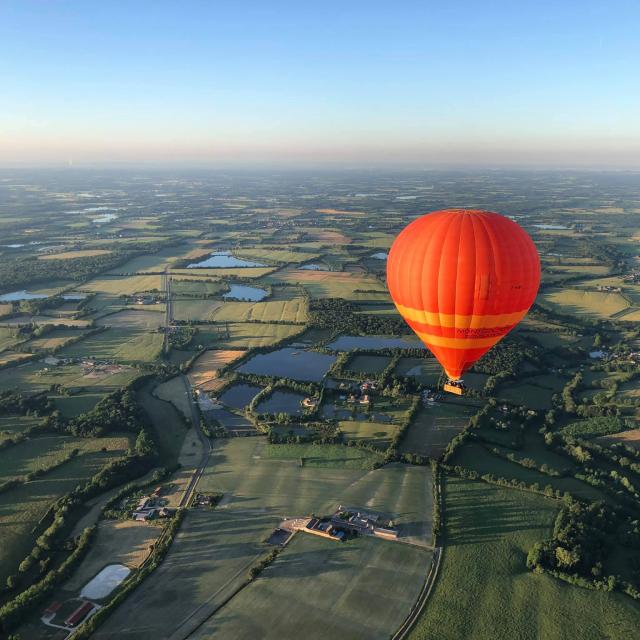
{"points": [[146, 299], [363, 393], [151, 507], [352, 521], [429, 396]]}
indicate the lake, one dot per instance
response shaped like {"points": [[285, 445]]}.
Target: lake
{"points": [[349, 343], [16, 296], [281, 402], [289, 362], [243, 292], [223, 259], [238, 396]]}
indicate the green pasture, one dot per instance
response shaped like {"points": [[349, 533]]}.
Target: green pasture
{"points": [[484, 589], [367, 363], [244, 335], [580, 302], [317, 588], [434, 427]]}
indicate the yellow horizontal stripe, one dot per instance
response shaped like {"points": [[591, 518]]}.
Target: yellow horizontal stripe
{"points": [[457, 343], [460, 321]]}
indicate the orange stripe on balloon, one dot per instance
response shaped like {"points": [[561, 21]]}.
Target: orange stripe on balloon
{"points": [[460, 321], [457, 343]]}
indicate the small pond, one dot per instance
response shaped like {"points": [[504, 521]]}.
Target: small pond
{"points": [[349, 343], [15, 296], [243, 292], [550, 227], [314, 266], [238, 396], [107, 217], [223, 259], [101, 585], [290, 362], [381, 255], [281, 402], [74, 296]]}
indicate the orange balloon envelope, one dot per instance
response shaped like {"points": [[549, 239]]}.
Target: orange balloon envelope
{"points": [[462, 279]]}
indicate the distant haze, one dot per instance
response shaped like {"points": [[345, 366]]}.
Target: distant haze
{"points": [[333, 83]]}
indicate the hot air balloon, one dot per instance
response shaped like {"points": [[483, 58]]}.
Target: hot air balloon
{"points": [[462, 279]]}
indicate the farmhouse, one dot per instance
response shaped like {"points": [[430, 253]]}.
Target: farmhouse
{"points": [[79, 614]]}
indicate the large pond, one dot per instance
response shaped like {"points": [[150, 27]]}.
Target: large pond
{"points": [[349, 343], [281, 402], [16, 296], [238, 396], [290, 362], [223, 259], [105, 582], [243, 292]]}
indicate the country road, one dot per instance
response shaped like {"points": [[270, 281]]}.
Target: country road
{"points": [[206, 444], [166, 285]]}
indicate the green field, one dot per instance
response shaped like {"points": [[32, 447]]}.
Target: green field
{"points": [[316, 455], [378, 433], [425, 370], [175, 392], [319, 589], [484, 589], [120, 344], [244, 335], [434, 427], [22, 507], [213, 551], [579, 302], [11, 425], [72, 406]]}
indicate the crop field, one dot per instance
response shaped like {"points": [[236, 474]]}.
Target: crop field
{"points": [[206, 366], [123, 285], [127, 345], [302, 594], [54, 339], [597, 304], [214, 549], [630, 438], [224, 272], [244, 335], [328, 284], [133, 319], [195, 309], [7, 357], [22, 507], [550, 340], [42, 319], [5, 308], [484, 589], [293, 310], [434, 427], [368, 364], [71, 255], [175, 392], [275, 255]]}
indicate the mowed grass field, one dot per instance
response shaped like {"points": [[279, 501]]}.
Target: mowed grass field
{"points": [[214, 549], [123, 285], [597, 304], [122, 344], [484, 589], [433, 428], [328, 284], [22, 507], [12, 425], [175, 391], [318, 589], [293, 310], [54, 339], [71, 255], [206, 366], [244, 335]]}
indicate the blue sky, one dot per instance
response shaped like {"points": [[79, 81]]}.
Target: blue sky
{"points": [[337, 82]]}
